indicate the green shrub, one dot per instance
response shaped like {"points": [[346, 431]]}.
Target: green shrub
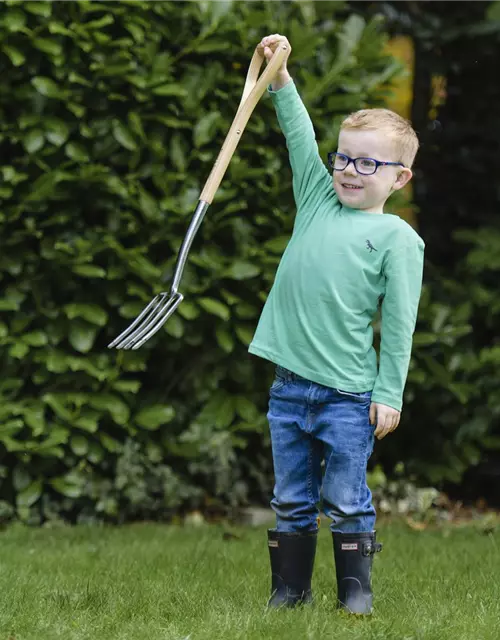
{"points": [[111, 117]]}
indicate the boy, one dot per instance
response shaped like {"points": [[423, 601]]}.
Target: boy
{"points": [[328, 400]]}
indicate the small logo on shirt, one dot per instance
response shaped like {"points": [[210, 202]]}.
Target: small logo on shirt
{"points": [[370, 247]]}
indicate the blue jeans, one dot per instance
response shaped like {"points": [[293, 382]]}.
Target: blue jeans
{"points": [[309, 424]]}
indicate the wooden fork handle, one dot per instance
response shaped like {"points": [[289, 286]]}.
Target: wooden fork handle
{"points": [[252, 93]]}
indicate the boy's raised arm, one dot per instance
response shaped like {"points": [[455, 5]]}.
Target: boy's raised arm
{"points": [[311, 178]]}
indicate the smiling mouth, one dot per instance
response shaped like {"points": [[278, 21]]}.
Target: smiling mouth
{"points": [[353, 187]]}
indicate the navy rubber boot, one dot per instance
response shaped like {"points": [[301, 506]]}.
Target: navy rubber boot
{"points": [[292, 561], [353, 564]]}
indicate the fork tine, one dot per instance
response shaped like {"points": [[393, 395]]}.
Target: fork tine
{"points": [[150, 308], [160, 320], [148, 321], [150, 325]]}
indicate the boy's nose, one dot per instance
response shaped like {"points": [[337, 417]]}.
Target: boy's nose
{"points": [[350, 170]]}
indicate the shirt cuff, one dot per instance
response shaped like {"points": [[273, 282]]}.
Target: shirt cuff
{"points": [[389, 402], [285, 92]]}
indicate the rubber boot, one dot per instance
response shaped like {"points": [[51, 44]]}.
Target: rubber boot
{"points": [[353, 564], [292, 562]]}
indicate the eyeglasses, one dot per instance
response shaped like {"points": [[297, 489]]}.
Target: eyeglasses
{"points": [[364, 166]]}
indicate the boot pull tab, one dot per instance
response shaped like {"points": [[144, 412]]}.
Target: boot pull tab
{"points": [[370, 548]]}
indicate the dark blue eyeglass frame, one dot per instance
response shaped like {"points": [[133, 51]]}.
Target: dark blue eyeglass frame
{"points": [[333, 154]]}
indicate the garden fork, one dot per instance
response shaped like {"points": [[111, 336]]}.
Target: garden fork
{"points": [[157, 312]]}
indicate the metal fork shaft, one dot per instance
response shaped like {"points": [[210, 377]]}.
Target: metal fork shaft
{"points": [[194, 225]]}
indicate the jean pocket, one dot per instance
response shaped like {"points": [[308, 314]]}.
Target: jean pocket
{"points": [[363, 396], [280, 379]]}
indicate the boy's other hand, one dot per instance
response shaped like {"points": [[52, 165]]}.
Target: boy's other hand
{"points": [[386, 418], [268, 46]]}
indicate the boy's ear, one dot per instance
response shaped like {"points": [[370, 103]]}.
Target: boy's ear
{"points": [[404, 177]]}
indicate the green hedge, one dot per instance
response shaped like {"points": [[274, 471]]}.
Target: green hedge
{"points": [[111, 116]]}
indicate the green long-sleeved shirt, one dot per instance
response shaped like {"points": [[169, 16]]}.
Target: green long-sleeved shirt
{"points": [[338, 265]]}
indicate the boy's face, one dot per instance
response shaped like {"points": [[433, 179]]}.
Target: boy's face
{"points": [[368, 193]]}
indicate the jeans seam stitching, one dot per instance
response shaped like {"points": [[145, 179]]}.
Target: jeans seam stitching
{"points": [[309, 472]]}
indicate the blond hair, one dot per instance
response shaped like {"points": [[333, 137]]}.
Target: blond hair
{"points": [[393, 124]]}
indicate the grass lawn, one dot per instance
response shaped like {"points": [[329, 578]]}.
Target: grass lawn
{"points": [[159, 582]]}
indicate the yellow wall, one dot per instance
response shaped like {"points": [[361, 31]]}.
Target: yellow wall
{"points": [[401, 47]]}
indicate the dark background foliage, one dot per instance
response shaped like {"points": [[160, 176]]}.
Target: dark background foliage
{"points": [[457, 195]]}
